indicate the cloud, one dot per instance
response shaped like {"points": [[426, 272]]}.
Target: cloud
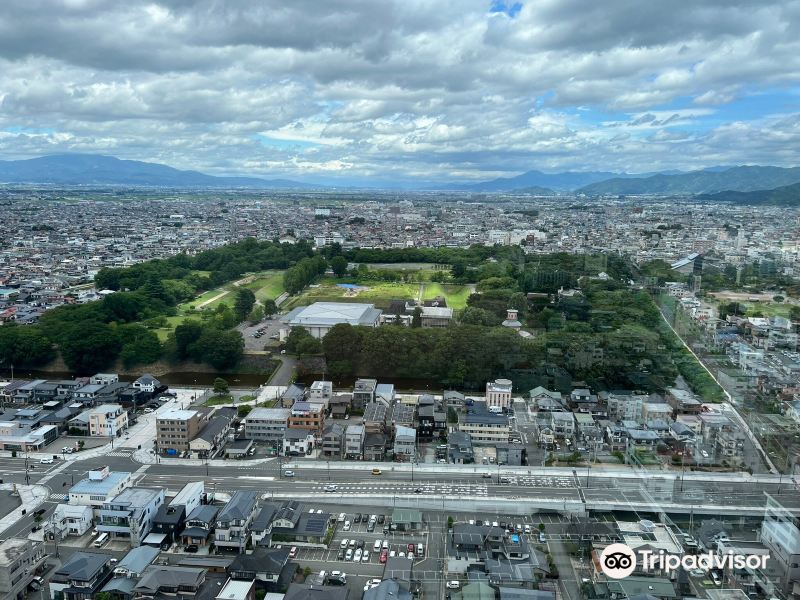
{"points": [[405, 89]]}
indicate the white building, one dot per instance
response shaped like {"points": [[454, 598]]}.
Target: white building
{"points": [[498, 393], [101, 486], [129, 515], [71, 519], [107, 420], [320, 391], [320, 317]]}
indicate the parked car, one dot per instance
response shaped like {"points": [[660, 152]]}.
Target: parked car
{"points": [[288, 473], [357, 518], [381, 519], [346, 526], [365, 556], [46, 461], [384, 556], [293, 552], [349, 555], [453, 585], [191, 548], [410, 548], [341, 555], [357, 555], [343, 543]]}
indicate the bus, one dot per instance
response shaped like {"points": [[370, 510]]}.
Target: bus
{"points": [[101, 539]]}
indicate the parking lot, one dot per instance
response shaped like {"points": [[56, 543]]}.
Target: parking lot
{"points": [[267, 330]]}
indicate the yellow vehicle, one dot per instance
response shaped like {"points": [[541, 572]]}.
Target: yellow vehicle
{"points": [[376, 471]]}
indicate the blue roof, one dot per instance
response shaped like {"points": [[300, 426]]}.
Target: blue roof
{"points": [[102, 486]]}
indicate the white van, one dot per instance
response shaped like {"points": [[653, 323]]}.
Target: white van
{"points": [[377, 545], [101, 539], [495, 409]]}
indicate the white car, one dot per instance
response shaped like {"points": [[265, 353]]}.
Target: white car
{"points": [[346, 526], [46, 461], [357, 555], [365, 557], [349, 555], [330, 488], [342, 517], [343, 543], [288, 473], [371, 583], [453, 585]]}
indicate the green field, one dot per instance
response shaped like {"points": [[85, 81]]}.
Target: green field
{"points": [[379, 293], [455, 295]]}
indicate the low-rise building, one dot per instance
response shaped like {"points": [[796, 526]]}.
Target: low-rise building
{"points": [[320, 392], [101, 486], [297, 442], [405, 443], [375, 447], [129, 516], [459, 448], [498, 393], [71, 519], [20, 559], [107, 420], [333, 440], [175, 429], [354, 441], [212, 437], [484, 427], [233, 521], [308, 416], [266, 424], [81, 576], [364, 392]]}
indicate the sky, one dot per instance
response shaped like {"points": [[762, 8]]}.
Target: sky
{"points": [[403, 90]]}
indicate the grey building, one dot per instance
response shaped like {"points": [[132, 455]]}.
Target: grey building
{"points": [[233, 521], [333, 440], [405, 443], [375, 447], [81, 576], [364, 392], [459, 448], [266, 424], [354, 441], [19, 561]]}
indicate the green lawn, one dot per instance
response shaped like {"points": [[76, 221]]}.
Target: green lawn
{"points": [[379, 293], [455, 295], [268, 287]]}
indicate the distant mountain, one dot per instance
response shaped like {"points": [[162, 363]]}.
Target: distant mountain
{"points": [[555, 181], [536, 190], [740, 179], [92, 169], [787, 195]]}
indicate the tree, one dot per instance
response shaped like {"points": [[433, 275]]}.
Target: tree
{"points": [[221, 386], [416, 319], [222, 349], [89, 347], [243, 303], [473, 315], [309, 346], [24, 346], [339, 265], [342, 343], [778, 298], [256, 314], [296, 335], [140, 345], [243, 411], [270, 308]]}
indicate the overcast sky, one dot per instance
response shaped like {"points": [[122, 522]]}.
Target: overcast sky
{"points": [[403, 90]]}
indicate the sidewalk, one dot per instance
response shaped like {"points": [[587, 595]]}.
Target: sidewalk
{"points": [[31, 497]]}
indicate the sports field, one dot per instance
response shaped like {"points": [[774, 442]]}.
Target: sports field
{"points": [[379, 293]]}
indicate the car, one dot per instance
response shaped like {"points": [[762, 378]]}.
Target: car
{"points": [[376, 471], [453, 585], [704, 453], [357, 555], [401, 554], [357, 518], [38, 512], [420, 550], [288, 473], [341, 518], [392, 553], [381, 519], [697, 573], [293, 552], [527, 529], [365, 556], [340, 556], [376, 546], [487, 475], [418, 491], [35, 528], [495, 524], [371, 526], [349, 555], [384, 555], [472, 521], [385, 544], [353, 543], [519, 528], [191, 548], [148, 410], [343, 543], [410, 548], [330, 488], [542, 538], [346, 526], [479, 522], [347, 417], [46, 461], [360, 544], [503, 524], [371, 583]]}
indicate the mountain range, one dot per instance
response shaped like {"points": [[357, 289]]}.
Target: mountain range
{"points": [[787, 195], [707, 181], [91, 169]]}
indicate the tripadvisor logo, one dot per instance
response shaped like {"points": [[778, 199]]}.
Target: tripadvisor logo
{"points": [[618, 561]]}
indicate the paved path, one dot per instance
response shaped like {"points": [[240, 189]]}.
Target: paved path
{"points": [[283, 374], [210, 300]]}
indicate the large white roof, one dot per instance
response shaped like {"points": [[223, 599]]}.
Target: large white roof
{"points": [[332, 313]]}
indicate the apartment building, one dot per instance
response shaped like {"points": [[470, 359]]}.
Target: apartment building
{"points": [[19, 560], [266, 424], [99, 487], [485, 428], [498, 393], [107, 420], [405, 443], [364, 392], [320, 392], [129, 516], [175, 429], [333, 440], [307, 415]]}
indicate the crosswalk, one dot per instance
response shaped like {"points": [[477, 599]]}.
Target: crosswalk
{"points": [[456, 489], [122, 453]]}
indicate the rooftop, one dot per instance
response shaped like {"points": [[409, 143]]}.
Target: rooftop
{"points": [[331, 313]]}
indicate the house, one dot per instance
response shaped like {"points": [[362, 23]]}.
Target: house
{"points": [[20, 559], [71, 519], [81, 576], [385, 394], [312, 591], [624, 405], [376, 417], [146, 383], [107, 420], [683, 402], [292, 523], [168, 522], [167, 581], [268, 568], [562, 424], [436, 316], [99, 487], [459, 448], [308, 416], [340, 405], [233, 521], [88, 394], [104, 378], [405, 443], [237, 590], [136, 561], [498, 393], [321, 392], [354, 436], [199, 524], [364, 392], [266, 424], [320, 317], [454, 399], [296, 392], [656, 410], [129, 515], [375, 447], [212, 437], [388, 589], [403, 414], [175, 428], [297, 442], [432, 420], [333, 440]]}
